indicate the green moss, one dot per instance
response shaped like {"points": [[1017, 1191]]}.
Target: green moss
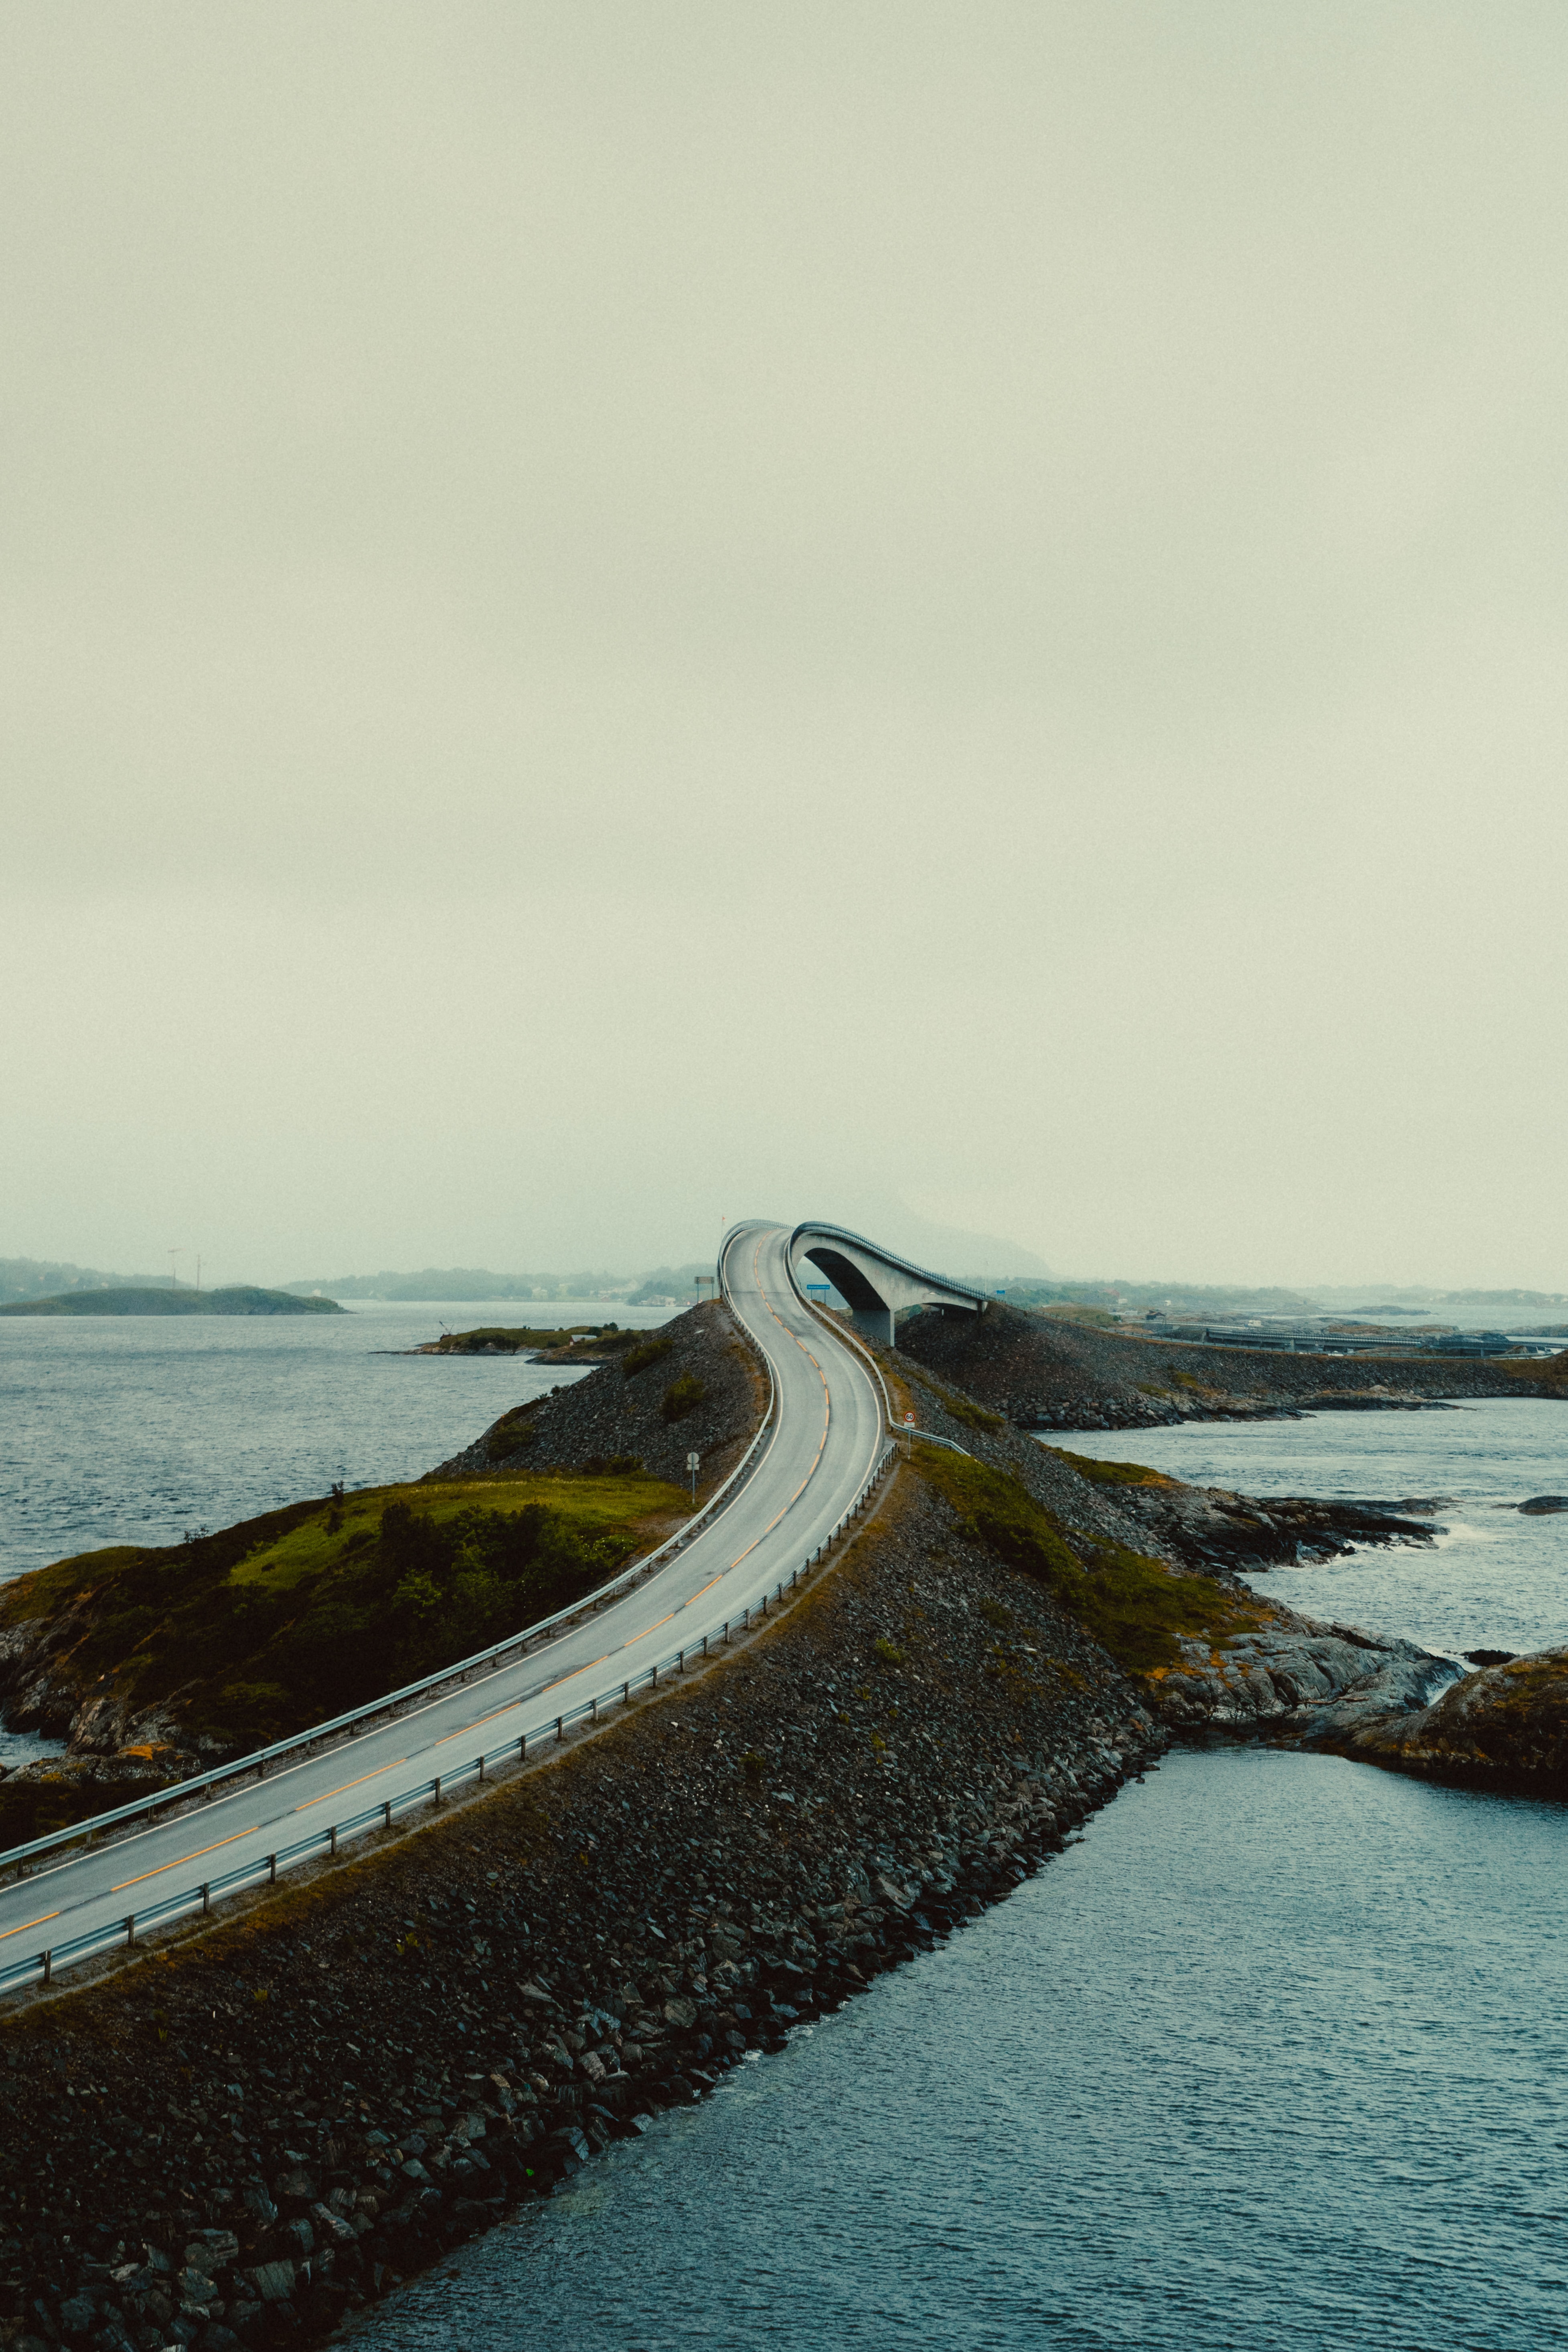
{"points": [[646, 1351], [954, 1402], [1110, 1474], [1133, 1605]]}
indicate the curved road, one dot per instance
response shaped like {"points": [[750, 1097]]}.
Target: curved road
{"points": [[826, 1441]]}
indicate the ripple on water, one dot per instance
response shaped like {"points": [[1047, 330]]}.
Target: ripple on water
{"points": [[1274, 2059]]}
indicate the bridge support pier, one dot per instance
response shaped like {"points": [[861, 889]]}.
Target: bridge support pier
{"points": [[875, 1325]]}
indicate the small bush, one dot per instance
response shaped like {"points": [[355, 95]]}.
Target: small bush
{"points": [[994, 1613], [683, 1396], [637, 1360], [753, 1764], [888, 1651]]}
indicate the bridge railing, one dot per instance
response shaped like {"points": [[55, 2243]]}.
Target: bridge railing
{"points": [[198, 1894], [515, 1646]]}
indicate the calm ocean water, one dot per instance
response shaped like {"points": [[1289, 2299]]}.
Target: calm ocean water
{"points": [[130, 1430]]}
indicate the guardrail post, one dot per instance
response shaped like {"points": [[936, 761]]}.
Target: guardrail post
{"points": [[625, 1694], [206, 1899], [49, 1967], [593, 1710], [561, 1726], [131, 1928], [333, 1839], [437, 1798], [387, 1811], [272, 1870], [521, 1746], [680, 1662], [481, 1768]]}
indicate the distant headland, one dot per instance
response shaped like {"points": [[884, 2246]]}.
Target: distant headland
{"points": [[241, 1298]]}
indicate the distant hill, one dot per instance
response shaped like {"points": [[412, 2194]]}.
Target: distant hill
{"points": [[458, 1283], [41, 1277], [141, 1299]]}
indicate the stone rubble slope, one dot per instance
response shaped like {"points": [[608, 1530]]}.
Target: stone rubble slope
{"points": [[609, 1415], [1293, 1678], [1047, 1372]]}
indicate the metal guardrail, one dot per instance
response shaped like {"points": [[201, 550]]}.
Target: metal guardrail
{"points": [[198, 1896], [518, 1644]]}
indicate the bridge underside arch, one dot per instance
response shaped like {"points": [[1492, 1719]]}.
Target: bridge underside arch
{"points": [[874, 1284]]}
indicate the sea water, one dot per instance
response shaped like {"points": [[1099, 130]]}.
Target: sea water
{"points": [[130, 1429]]}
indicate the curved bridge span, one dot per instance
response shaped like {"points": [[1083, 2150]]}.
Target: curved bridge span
{"points": [[823, 1447], [873, 1283]]}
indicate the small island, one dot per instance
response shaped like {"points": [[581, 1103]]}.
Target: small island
{"points": [[242, 1299]]}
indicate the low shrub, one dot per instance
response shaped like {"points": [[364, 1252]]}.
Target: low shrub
{"points": [[648, 1351], [683, 1396]]}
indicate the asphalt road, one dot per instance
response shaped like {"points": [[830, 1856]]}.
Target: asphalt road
{"points": [[825, 1445]]}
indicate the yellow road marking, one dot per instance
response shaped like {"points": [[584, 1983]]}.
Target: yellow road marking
{"points": [[162, 1866], [27, 1924], [349, 1784]]}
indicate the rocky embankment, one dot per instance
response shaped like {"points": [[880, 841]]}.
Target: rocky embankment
{"points": [[239, 2139], [1504, 1728], [1045, 1372], [1252, 1668], [691, 1386]]}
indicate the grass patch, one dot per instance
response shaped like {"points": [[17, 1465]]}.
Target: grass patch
{"points": [[1110, 1474], [954, 1402], [646, 1352], [274, 1624], [1133, 1605]]}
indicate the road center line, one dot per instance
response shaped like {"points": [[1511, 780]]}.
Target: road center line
{"points": [[162, 1866]]}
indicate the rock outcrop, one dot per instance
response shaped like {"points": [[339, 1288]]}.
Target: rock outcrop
{"points": [[1504, 1727]]}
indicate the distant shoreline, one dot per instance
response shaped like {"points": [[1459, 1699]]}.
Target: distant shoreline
{"points": [[241, 1299]]}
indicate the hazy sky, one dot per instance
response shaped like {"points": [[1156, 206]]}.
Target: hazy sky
{"points": [[619, 614]]}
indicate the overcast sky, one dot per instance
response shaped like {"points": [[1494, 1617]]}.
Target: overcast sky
{"points": [[617, 615]]}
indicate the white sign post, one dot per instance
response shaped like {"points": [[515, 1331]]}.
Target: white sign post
{"points": [[692, 1462]]}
